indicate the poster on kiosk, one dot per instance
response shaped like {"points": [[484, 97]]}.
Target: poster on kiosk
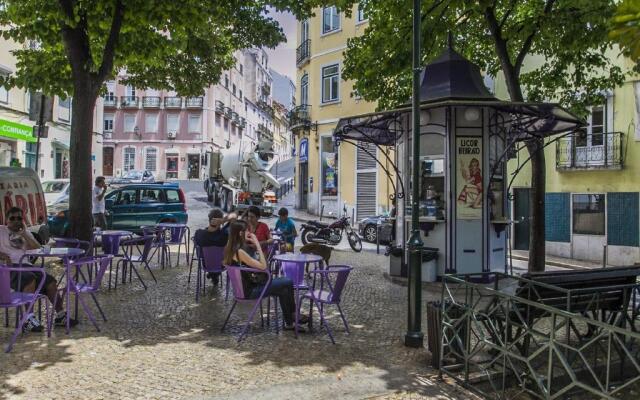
{"points": [[469, 178]]}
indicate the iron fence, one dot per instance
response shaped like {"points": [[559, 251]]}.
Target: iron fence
{"points": [[590, 151]]}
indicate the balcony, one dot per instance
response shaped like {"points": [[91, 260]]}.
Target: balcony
{"points": [[300, 118], [264, 133], [265, 107], [243, 123], [151, 102], [219, 107], [129, 102], [266, 89], [228, 112], [195, 102], [235, 118], [110, 101], [581, 151], [173, 102], [303, 52]]}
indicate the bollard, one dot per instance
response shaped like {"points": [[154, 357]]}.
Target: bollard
{"points": [[604, 256]]}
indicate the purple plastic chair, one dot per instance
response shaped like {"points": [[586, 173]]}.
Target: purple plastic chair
{"points": [[158, 245], [209, 261], [193, 258], [178, 235], [234, 274], [332, 281], [19, 300], [131, 259], [81, 283]]}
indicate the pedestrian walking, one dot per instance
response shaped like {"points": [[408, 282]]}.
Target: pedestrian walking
{"points": [[98, 209]]}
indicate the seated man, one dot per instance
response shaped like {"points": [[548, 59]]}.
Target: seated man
{"points": [[15, 240], [287, 229], [215, 234]]}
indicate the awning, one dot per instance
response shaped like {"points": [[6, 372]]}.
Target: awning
{"points": [[172, 151], [60, 144]]}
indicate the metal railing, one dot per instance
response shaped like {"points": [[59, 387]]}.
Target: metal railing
{"points": [[300, 117], [219, 107], [506, 346], [303, 52], [129, 101], [151, 102], [110, 101], [173, 102], [228, 112], [590, 151], [195, 102]]}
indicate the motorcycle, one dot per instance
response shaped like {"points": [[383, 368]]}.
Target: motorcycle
{"points": [[331, 234]]}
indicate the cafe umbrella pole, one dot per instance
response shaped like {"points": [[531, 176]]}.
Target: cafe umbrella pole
{"points": [[414, 336]]}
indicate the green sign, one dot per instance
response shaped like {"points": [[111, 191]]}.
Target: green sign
{"points": [[16, 131]]}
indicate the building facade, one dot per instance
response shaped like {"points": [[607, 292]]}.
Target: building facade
{"points": [[18, 143], [282, 137], [329, 177], [284, 90], [593, 188]]}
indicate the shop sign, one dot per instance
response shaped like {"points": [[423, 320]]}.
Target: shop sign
{"points": [[16, 131], [469, 177], [304, 150]]}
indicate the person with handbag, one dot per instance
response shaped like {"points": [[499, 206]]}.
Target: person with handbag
{"points": [[243, 248]]}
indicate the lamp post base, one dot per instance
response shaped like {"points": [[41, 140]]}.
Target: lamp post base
{"points": [[414, 339]]}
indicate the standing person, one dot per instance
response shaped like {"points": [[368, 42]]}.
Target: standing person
{"points": [[15, 240], [240, 251], [215, 234], [98, 209], [260, 229], [288, 229]]}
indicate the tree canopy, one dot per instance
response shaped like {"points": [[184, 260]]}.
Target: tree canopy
{"points": [[569, 36], [626, 28]]}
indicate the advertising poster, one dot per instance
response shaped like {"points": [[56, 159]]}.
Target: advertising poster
{"points": [[330, 184], [469, 177]]}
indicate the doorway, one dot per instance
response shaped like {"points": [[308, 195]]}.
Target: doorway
{"points": [[303, 185], [58, 167], [521, 216], [172, 167], [107, 161], [194, 166]]}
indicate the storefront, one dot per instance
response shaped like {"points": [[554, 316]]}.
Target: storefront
{"points": [[11, 133]]}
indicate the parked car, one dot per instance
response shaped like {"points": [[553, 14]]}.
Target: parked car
{"points": [[368, 229], [134, 176], [130, 207], [21, 187], [56, 191]]}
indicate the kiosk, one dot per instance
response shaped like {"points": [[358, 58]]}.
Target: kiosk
{"points": [[466, 138]]}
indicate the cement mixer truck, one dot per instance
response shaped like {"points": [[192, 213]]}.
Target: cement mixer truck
{"points": [[239, 176]]}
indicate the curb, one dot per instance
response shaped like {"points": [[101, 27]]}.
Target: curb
{"points": [[554, 263]]}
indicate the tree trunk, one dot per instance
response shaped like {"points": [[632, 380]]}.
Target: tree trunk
{"points": [[536, 204], [80, 199]]}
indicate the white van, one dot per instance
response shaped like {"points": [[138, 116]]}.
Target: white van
{"points": [[20, 187]]}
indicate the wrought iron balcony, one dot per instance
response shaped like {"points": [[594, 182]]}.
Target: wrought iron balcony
{"points": [[173, 102], [303, 52], [110, 101], [129, 101], [264, 132], [195, 102], [151, 102], [242, 123], [581, 151], [219, 107], [300, 118], [235, 118], [228, 112]]}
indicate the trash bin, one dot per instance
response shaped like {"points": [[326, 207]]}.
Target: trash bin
{"points": [[429, 265], [395, 261], [434, 330]]}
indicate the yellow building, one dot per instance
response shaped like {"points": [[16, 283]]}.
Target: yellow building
{"points": [[329, 177], [592, 200]]}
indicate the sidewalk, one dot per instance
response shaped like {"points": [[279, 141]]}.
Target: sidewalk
{"points": [[569, 263]]}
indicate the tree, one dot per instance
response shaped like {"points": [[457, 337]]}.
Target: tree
{"points": [[569, 36], [626, 28], [73, 46]]}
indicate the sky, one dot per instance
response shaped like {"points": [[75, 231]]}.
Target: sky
{"points": [[283, 57]]}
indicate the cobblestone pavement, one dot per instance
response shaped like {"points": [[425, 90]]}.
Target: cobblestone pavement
{"points": [[159, 343]]}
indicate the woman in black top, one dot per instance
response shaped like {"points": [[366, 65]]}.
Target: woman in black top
{"points": [[238, 251]]}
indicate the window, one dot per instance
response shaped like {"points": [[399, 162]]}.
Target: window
{"points": [[130, 91], [589, 214], [361, 14], [64, 109], [30, 156], [330, 82], [596, 126], [173, 196], [304, 89], [218, 120], [241, 69], [150, 196], [129, 122], [129, 159], [195, 125], [226, 81], [233, 90], [226, 125], [329, 161], [107, 125], [151, 158], [151, 123], [330, 19], [240, 95], [127, 196], [4, 95], [172, 123]]}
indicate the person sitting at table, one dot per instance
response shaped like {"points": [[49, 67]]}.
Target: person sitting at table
{"points": [[243, 248], [215, 234], [15, 240], [260, 229], [287, 228]]}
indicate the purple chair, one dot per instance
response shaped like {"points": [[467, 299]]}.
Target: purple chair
{"points": [[332, 281], [193, 258], [158, 246], [74, 244], [144, 245], [178, 235], [19, 300], [81, 283], [234, 274], [209, 261]]}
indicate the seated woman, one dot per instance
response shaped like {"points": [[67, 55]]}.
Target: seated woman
{"points": [[259, 229], [243, 248]]}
